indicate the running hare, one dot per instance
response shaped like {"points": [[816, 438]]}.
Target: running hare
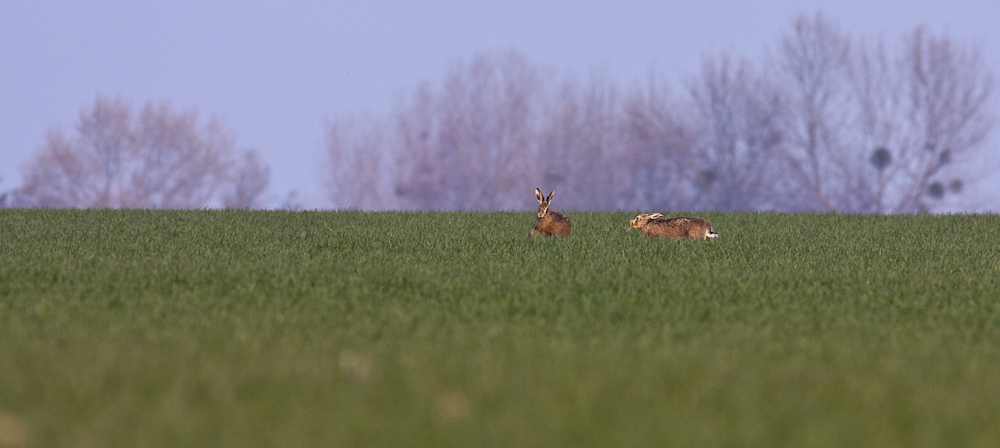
{"points": [[548, 222], [683, 227]]}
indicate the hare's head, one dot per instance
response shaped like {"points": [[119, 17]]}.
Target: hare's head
{"points": [[543, 203], [642, 219]]}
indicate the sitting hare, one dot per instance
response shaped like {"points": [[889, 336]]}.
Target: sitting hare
{"points": [[548, 222], [683, 227]]}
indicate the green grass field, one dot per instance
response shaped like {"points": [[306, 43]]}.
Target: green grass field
{"points": [[267, 328]]}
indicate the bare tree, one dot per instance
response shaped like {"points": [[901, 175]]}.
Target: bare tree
{"points": [[813, 68], [484, 139], [158, 159], [423, 168], [250, 180], [487, 120], [470, 144], [922, 113], [736, 155], [580, 146], [658, 137], [872, 130], [358, 171], [466, 145]]}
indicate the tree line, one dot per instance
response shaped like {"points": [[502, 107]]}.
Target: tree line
{"points": [[157, 158], [825, 121]]}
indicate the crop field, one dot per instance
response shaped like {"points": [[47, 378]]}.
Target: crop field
{"points": [[271, 328]]}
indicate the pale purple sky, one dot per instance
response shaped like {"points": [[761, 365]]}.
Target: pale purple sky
{"points": [[274, 71]]}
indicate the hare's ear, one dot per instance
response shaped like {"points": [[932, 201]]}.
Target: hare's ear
{"points": [[538, 194], [550, 196], [655, 215]]}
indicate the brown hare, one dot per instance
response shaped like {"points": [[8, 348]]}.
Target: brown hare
{"points": [[683, 227], [548, 222]]}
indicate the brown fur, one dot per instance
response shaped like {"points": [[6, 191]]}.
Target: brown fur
{"points": [[548, 222], [683, 227]]}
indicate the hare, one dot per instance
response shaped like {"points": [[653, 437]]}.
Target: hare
{"points": [[683, 227], [548, 222]]}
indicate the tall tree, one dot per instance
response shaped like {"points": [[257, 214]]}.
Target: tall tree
{"points": [[579, 146], [486, 118], [358, 171], [248, 184], [156, 159], [466, 145], [812, 68], [922, 114], [658, 138], [870, 128], [737, 156]]}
